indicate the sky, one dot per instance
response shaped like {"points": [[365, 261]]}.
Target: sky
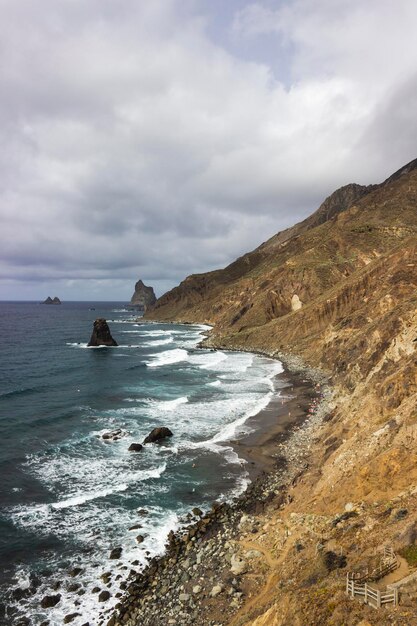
{"points": [[163, 138]]}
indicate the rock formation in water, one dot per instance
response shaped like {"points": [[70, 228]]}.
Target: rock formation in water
{"points": [[157, 434], [101, 335], [50, 300], [143, 298], [135, 447]]}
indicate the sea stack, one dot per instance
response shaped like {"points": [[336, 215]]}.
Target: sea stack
{"points": [[50, 300], [144, 297], [101, 335]]}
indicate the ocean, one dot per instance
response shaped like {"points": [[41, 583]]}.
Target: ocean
{"points": [[68, 497]]}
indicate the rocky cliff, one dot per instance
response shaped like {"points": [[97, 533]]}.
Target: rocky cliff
{"points": [[337, 292], [143, 297]]}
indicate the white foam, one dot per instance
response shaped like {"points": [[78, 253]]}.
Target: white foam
{"points": [[169, 357], [211, 360], [157, 342], [215, 383], [81, 499], [170, 405]]}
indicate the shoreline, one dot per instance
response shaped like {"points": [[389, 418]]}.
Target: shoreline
{"points": [[272, 426], [171, 587]]}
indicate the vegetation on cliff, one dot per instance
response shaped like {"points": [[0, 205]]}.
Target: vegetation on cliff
{"points": [[339, 292]]}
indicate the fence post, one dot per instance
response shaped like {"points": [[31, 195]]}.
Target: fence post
{"points": [[378, 599], [395, 596], [366, 593]]}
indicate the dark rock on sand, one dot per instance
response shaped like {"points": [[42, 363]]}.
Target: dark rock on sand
{"points": [[157, 434], [48, 601], [101, 335], [135, 447], [115, 553]]}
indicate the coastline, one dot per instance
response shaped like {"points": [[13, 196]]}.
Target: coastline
{"points": [[199, 580]]}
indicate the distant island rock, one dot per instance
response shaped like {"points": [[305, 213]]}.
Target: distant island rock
{"points": [[144, 297], [101, 335], [50, 300]]}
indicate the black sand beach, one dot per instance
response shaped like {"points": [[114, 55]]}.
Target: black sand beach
{"points": [[200, 580]]}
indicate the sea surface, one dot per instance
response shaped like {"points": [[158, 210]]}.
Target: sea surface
{"points": [[67, 496]]}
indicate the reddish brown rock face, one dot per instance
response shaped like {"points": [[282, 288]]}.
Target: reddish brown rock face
{"points": [[101, 335]]}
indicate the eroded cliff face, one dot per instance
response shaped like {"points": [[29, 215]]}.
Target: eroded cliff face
{"points": [[353, 270]]}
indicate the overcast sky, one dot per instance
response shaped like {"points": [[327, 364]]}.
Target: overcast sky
{"points": [[157, 138]]}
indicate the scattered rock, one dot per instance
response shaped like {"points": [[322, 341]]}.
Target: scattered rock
{"points": [[196, 589], [238, 565], [296, 303], [217, 589], [114, 435], [184, 597], [253, 554], [101, 335], [76, 571], [157, 434], [135, 447], [140, 538], [70, 617], [49, 601], [115, 553], [104, 595], [197, 512]]}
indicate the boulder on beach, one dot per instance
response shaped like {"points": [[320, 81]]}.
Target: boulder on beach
{"points": [[161, 432], [135, 447], [101, 335]]}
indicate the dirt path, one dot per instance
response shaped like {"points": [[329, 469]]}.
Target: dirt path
{"points": [[401, 572], [272, 580]]}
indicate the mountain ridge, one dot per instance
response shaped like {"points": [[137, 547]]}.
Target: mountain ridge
{"points": [[337, 292]]}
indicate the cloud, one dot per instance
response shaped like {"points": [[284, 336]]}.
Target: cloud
{"points": [[138, 141]]}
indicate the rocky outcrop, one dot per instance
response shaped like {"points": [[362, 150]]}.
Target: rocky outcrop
{"points": [[50, 300], [143, 298], [101, 335], [157, 434], [114, 435], [135, 447]]}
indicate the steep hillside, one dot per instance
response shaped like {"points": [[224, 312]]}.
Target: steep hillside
{"points": [[337, 292], [352, 227]]}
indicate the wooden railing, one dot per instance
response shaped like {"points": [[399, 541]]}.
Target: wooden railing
{"points": [[357, 582], [370, 595]]}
